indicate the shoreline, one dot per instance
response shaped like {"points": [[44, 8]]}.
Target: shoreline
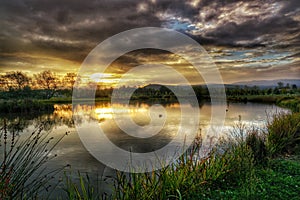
{"points": [[286, 101]]}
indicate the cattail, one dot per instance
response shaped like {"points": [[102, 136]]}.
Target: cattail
{"points": [[12, 140]]}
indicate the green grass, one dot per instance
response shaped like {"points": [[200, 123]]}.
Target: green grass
{"points": [[288, 101], [280, 180], [256, 98], [81, 189], [292, 103]]}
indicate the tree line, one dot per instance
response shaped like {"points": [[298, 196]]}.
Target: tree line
{"points": [[43, 85], [281, 88], [46, 84]]}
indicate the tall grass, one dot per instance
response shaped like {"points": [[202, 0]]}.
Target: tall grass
{"points": [[228, 165], [22, 167], [82, 189], [283, 133]]}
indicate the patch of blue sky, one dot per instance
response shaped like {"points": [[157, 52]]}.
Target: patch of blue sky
{"points": [[231, 55], [249, 55], [180, 25], [271, 56]]}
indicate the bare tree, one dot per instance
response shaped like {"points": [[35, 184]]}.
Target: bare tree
{"points": [[48, 81], [15, 80], [69, 80], [3, 83]]}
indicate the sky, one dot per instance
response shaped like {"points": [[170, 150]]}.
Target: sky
{"points": [[247, 40]]}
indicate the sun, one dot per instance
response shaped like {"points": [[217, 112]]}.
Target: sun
{"points": [[102, 78]]}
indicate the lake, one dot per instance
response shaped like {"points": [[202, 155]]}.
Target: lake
{"points": [[71, 150]]}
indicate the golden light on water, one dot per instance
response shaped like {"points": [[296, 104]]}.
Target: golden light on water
{"points": [[104, 113], [109, 111]]}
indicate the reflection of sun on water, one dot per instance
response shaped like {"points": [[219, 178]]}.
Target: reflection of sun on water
{"points": [[63, 111], [109, 111], [99, 112], [104, 113]]}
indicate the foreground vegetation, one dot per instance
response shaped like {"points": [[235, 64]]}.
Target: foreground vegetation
{"points": [[250, 164]]}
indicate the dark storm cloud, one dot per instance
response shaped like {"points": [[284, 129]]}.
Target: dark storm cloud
{"points": [[86, 23], [232, 33], [67, 26], [249, 23]]}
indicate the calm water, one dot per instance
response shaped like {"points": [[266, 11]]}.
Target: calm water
{"points": [[71, 150]]}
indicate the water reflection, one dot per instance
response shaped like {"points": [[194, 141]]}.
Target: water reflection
{"points": [[105, 113], [71, 150]]}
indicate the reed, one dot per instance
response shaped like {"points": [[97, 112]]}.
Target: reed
{"points": [[23, 162]]}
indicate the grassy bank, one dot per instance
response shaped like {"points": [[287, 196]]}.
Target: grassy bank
{"points": [[286, 101], [292, 103]]}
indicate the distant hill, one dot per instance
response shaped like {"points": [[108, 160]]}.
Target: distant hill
{"points": [[269, 83], [153, 86], [259, 83]]}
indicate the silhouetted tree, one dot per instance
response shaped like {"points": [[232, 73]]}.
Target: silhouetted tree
{"points": [[287, 86], [48, 81], [276, 90], [69, 80], [15, 80], [280, 85], [269, 91], [3, 83]]}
